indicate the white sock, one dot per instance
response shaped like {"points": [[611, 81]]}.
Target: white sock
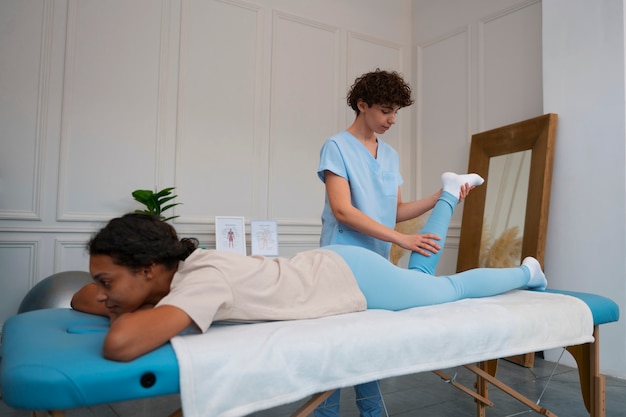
{"points": [[452, 182], [538, 279]]}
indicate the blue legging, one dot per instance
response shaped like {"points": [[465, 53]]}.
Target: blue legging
{"points": [[389, 287]]}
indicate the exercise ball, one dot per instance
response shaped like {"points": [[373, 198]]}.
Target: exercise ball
{"points": [[56, 291]]}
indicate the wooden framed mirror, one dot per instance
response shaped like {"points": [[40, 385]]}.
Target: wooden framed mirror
{"points": [[529, 142], [516, 163]]}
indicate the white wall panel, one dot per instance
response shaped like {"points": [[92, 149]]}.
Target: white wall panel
{"points": [[18, 263], [444, 107], [110, 102], [510, 66], [217, 139], [304, 113], [24, 47], [71, 254]]}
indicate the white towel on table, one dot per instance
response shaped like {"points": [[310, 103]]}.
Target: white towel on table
{"points": [[234, 370]]}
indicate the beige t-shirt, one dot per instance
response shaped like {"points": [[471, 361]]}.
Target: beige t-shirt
{"points": [[217, 285]]}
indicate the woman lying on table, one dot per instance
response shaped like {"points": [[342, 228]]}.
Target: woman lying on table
{"points": [[152, 285]]}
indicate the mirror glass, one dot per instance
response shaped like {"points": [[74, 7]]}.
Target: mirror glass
{"points": [[505, 210]]}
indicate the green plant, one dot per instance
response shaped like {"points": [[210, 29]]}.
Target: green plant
{"points": [[154, 201]]}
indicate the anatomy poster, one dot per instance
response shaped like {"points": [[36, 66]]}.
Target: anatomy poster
{"points": [[264, 237], [230, 234]]}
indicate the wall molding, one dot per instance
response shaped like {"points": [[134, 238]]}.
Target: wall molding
{"points": [[163, 89], [334, 32], [67, 107], [259, 147], [467, 32], [33, 254], [352, 36], [41, 119], [482, 23], [61, 246], [509, 10]]}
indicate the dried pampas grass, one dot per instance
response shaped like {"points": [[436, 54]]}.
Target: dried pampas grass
{"points": [[506, 250], [486, 239]]}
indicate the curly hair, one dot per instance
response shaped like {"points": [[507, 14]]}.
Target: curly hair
{"points": [[138, 240], [380, 87]]}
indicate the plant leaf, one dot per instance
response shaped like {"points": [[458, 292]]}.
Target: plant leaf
{"points": [[142, 196], [170, 206], [165, 191], [154, 201], [161, 201]]}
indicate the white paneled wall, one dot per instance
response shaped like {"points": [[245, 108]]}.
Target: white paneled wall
{"points": [[227, 100], [230, 101]]}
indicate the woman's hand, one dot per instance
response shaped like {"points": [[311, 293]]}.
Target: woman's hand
{"points": [[425, 244]]}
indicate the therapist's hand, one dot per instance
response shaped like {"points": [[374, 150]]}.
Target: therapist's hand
{"points": [[425, 244], [465, 189]]}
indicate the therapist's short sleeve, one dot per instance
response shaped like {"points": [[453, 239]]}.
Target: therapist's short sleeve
{"points": [[331, 160]]}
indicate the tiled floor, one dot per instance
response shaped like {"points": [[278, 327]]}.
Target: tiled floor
{"points": [[424, 395]]}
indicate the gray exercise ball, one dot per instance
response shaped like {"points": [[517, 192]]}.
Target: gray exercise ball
{"points": [[56, 291]]}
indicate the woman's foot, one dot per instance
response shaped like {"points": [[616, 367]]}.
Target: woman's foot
{"points": [[452, 182], [538, 279]]}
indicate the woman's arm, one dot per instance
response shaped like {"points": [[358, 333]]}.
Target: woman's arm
{"points": [[134, 334]]}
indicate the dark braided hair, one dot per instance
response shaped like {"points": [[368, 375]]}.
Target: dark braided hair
{"points": [[138, 240], [380, 87]]}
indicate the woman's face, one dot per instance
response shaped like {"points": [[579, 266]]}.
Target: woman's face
{"points": [[121, 289]]}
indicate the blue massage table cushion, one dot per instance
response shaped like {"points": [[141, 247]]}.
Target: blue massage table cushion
{"points": [[603, 309], [62, 350]]}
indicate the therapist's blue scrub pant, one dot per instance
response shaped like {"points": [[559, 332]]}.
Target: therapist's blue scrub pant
{"points": [[368, 401]]}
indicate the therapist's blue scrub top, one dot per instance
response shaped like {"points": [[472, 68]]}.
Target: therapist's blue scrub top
{"points": [[373, 183]]}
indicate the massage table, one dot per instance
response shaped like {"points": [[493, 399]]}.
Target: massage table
{"points": [[52, 361]]}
